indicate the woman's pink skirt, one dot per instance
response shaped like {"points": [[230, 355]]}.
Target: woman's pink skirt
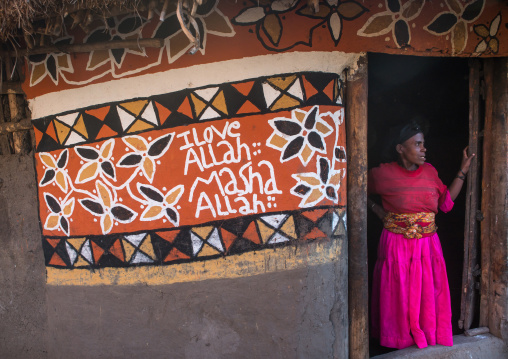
{"points": [[410, 294]]}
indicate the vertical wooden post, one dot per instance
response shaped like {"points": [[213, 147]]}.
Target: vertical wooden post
{"points": [[496, 211], [469, 291], [486, 195], [5, 148], [356, 127], [21, 140]]}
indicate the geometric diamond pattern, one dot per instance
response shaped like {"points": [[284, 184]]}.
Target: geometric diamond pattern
{"points": [[248, 97], [186, 244]]}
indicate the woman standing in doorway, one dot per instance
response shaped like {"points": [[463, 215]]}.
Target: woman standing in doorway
{"points": [[410, 294]]}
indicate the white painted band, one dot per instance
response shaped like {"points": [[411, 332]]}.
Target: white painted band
{"points": [[189, 77]]}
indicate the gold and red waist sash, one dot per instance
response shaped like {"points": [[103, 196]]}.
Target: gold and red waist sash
{"points": [[411, 225]]}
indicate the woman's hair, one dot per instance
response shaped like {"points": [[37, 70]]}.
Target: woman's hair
{"points": [[400, 134]]}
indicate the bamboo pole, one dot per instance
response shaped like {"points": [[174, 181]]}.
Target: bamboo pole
{"points": [[76, 48], [356, 132]]}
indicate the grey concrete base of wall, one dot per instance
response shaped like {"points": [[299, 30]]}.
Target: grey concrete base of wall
{"points": [[478, 347]]}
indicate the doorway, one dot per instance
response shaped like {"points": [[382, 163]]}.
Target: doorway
{"points": [[434, 90]]}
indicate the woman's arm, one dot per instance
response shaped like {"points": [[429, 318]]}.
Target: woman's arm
{"points": [[376, 208], [458, 181]]}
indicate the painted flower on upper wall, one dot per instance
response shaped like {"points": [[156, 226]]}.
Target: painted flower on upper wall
{"points": [[128, 28], [456, 22], [334, 12], [145, 153], [489, 41], [51, 65], [314, 187], [54, 170], [299, 136], [265, 14], [210, 21], [105, 205], [60, 212], [395, 19]]}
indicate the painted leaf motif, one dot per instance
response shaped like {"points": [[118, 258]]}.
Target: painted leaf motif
{"points": [[340, 154], [218, 24], [378, 24], [61, 181], [459, 37], [293, 148], [152, 213], [454, 6], [174, 195], [494, 45], [52, 203], [68, 208], [129, 24], [288, 128], [481, 47], [272, 27], [149, 168], [51, 66], [310, 180], [52, 221], [283, 5], [393, 5], [351, 10], [87, 172], [150, 193], [401, 32], [49, 175], [313, 197], [301, 189], [331, 193], [412, 9], [306, 11], [64, 225], [92, 206], [315, 140], [48, 160], [172, 216], [324, 169], [473, 10], [335, 179], [107, 149], [442, 23], [168, 27], [136, 142], [494, 26], [310, 121], [62, 160], [122, 213], [106, 224], [87, 153], [130, 160], [108, 169], [335, 25], [159, 146], [104, 194], [249, 16]]}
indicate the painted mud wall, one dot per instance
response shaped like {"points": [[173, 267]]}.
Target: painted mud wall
{"points": [[135, 266]]}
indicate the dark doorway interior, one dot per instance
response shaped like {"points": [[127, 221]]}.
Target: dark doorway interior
{"points": [[434, 89]]}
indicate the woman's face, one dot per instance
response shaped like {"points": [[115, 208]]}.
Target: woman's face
{"points": [[412, 152]]}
